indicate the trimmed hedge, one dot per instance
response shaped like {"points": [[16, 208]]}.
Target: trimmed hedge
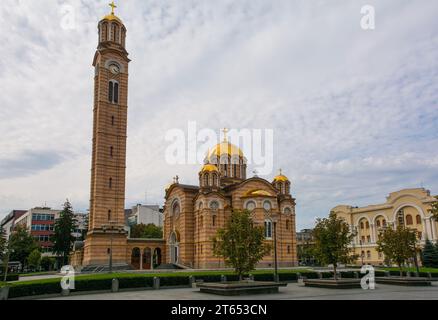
{"points": [[10, 277], [136, 282], [34, 289], [174, 281]]}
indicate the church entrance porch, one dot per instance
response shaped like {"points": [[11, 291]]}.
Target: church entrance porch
{"points": [[145, 254]]}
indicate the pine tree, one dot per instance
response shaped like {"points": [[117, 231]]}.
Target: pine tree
{"points": [[429, 255], [64, 227]]}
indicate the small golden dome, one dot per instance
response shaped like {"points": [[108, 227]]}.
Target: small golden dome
{"points": [[112, 17], [226, 148], [281, 177], [258, 193], [209, 168]]}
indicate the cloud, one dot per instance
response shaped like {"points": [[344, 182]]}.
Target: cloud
{"points": [[354, 113], [28, 163]]}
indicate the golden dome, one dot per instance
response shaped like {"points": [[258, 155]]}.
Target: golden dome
{"points": [[281, 177], [227, 148], [209, 168], [112, 17], [258, 193]]}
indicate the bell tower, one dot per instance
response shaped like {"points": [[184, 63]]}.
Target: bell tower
{"points": [[106, 240]]}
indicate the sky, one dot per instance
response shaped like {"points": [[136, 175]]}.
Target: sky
{"points": [[354, 112]]}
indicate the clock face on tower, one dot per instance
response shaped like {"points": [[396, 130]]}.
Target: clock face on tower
{"points": [[115, 69]]}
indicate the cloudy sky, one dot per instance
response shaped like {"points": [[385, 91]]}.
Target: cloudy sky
{"points": [[354, 112]]}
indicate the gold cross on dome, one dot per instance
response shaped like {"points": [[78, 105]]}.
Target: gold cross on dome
{"points": [[225, 131], [112, 5]]}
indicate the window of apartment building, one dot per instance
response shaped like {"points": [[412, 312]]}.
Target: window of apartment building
{"points": [[42, 227], [43, 217]]}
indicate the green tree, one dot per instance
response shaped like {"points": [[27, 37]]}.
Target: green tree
{"points": [[332, 241], [34, 259], [150, 231], [398, 245], [434, 209], [47, 263], [21, 244], [62, 238], [430, 255], [241, 243], [3, 243]]}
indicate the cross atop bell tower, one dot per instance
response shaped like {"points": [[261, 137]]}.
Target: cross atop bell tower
{"points": [[113, 6]]}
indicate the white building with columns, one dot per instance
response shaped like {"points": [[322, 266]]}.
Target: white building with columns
{"points": [[409, 207]]}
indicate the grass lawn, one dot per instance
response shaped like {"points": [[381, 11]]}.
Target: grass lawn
{"points": [[412, 269], [103, 276], [42, 273]]}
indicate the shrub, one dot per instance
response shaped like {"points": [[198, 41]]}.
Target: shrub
{"points": [[264, 277], [288, 276], [349, 274], [10, 277], [92, 285], [136, 282], [174, 281], [379, 273], [310, 275], [34, 289]]}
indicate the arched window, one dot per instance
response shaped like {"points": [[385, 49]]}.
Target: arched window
{"points": [[109, 215], [287, 210], [409, 220], [214, 221], [287, 224], [384, 222], [267, 205], [418, 219], [175, 209], [378, 223], [368, 254], [268, 229], [250, 205], [113, 91], [214, 180], [288, 249], [206, 180], [110, 183], [111, 151], [214, 205], [367, 225], [361, 225], [225, 170], [112, 120]]}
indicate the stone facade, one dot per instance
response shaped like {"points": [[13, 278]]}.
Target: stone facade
{"points": [[409, 207]]}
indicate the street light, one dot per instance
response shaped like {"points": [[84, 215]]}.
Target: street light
{"points": [[274, 221], [111, 227]]}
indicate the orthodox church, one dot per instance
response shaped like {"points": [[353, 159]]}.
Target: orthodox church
{"points": [[193, 214]]}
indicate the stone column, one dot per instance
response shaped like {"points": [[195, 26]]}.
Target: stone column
{"points": [[373, 237], [141, 260], [434, 235]]}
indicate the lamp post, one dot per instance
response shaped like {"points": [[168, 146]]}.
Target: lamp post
{"points": [[275, 251], [111, 227], [361, 250]]}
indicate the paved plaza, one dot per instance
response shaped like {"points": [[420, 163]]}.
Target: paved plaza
{"points": [[293, 291]]}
